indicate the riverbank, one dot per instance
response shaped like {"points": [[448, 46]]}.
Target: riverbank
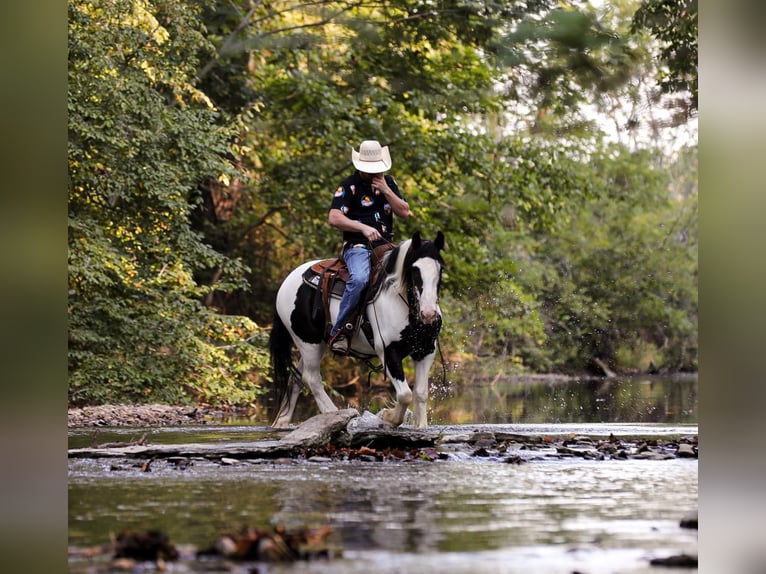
{"points": [[149, 415]]}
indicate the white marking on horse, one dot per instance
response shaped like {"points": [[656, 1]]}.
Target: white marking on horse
{"points": [[428, 296]]}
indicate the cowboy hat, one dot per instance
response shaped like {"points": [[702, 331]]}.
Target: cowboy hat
{"points": [[371, 158]]}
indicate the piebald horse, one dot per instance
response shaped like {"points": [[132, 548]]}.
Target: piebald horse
{"points": [[405, 318]]}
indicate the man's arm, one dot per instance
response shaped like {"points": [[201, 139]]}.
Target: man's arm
{"points": [[337, 219]]}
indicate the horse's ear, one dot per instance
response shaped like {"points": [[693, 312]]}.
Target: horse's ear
{"points": [[440, 242], [416, 240]]}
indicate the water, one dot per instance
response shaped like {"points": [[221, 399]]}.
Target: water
{"points": [[671, 399], [453, 516]]}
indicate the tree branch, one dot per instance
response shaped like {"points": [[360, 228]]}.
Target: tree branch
{"points": [[246, 21]]}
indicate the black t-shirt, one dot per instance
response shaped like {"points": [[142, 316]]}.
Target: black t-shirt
{"points": [[356, 199]]}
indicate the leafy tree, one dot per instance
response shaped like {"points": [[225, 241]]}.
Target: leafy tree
{"points": [[206, 139], [567, 57], [674, 24], [622, 281], [141, 139]]}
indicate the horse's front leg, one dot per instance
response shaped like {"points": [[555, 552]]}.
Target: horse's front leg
{"points": [[395, 372], [422, 369]]}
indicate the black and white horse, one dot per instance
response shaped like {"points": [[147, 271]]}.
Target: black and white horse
{"points": [[405, 318]]}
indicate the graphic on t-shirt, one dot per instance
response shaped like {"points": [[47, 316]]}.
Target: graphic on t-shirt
{"points": [[367, 201], [339, 192], [344, 209], [387, 208]]}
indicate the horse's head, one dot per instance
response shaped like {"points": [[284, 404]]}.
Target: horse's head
{"points": [[423, 266]]}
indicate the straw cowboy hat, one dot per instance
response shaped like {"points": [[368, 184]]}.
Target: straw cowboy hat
{"points": [[371, 158]]}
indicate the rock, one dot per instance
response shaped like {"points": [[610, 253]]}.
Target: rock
{"points": [[457, 438], [516, 437], [482, 439], [677, 561], [145, 415], [690, 520], [685, 451], [393, 438], [514, 459], [367, 458], [651, 455], [587, 452], [366, 421]]}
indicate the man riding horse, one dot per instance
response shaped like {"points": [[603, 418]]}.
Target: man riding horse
{"points": [[363, 208]]}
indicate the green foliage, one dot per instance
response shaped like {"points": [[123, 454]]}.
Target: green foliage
{"points": [[563, 59], [206, 140], [615, 269], [675, 24], [141, 139], [626, 271]]}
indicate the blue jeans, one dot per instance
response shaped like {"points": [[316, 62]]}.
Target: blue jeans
{"points": [[358, 263]]}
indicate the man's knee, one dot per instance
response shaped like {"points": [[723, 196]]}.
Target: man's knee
{"points": [[356, 283]]}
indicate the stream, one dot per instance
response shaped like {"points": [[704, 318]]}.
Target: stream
{"points": [[464, 514]]}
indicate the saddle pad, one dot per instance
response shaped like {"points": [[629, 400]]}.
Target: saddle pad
{"points": [[313, 275]]}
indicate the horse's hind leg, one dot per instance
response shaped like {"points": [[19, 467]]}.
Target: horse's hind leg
{"points": [[287, 408], [312, 377]]}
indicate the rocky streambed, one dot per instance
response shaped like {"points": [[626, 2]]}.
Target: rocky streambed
{"points": [[347, 435], [458, 499], [149, 415]]}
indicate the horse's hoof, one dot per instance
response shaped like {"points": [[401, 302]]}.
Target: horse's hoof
{"points": [[387, 416]]}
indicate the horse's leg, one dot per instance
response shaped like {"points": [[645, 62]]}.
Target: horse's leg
{"points": [[395, 372], [312, 376], [420, 388], [287, 408]]}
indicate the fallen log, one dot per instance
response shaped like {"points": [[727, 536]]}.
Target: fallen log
{"points": [[319, 429]]}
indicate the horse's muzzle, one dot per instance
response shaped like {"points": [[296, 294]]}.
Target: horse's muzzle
{"points": [[428, 316]]}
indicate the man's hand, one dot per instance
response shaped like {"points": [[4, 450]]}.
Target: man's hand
{"points": [[379, 182], [371, 233], [401, 208]]}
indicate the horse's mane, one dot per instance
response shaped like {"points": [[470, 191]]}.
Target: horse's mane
{"points": [[394, 267]]}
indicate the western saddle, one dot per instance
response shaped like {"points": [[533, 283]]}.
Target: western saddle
{"points": [[328, 278]]}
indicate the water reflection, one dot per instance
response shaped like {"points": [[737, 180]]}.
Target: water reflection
{"points": [[646, 399], [401, 509], [641, 399]]}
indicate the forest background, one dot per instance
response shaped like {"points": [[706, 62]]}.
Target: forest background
{"points": [[548, 140]]}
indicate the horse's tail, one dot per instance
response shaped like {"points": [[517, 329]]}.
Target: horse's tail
{"points": [[280, 349]]}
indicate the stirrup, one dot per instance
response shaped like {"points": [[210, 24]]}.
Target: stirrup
{"points": [[339, 343]]}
